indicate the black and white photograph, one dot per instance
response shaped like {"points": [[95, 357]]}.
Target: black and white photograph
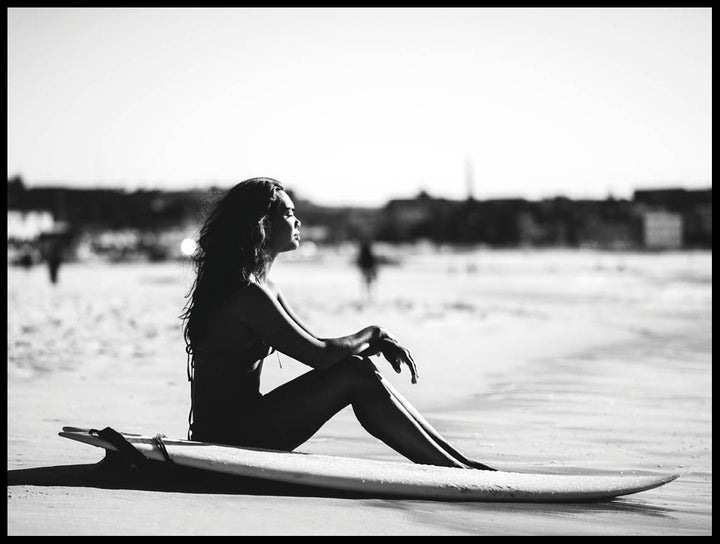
{"points": [[403, 271]]}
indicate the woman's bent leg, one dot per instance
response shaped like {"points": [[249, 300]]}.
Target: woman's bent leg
{"points": [[435, 435], [296, 410]]}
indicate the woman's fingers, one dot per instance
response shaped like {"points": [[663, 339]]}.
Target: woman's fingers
{"points": [[410, 362], [403, 356], [395, 362], [413, 367]]}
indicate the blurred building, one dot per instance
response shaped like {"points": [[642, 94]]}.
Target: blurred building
{"points": [[408, 219], [334, 224], [662, 219], [27, 225], [694, 208], [662, 230], [34, 235]]}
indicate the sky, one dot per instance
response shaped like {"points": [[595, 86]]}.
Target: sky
{"points": [[357, 106]]}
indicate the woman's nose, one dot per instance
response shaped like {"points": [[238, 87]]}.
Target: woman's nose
{"points": [[297, 223]]}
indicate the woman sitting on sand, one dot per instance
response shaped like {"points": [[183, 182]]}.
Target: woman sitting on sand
{"points": [[236, 316]]}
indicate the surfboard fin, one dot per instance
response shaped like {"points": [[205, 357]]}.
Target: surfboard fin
{"points": [[126, 454]]}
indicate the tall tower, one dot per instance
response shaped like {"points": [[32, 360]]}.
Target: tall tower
{"points": [[469, 178]]}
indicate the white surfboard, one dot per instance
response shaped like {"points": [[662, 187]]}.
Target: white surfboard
{"points": [[385, 478]]}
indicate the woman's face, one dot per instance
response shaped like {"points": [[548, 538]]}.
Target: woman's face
{"points": [[284, 226]]}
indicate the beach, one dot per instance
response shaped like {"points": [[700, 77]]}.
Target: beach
{"points": [[554, 361]]}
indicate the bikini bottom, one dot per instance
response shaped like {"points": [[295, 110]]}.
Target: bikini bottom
{"points": [[247, 427]]}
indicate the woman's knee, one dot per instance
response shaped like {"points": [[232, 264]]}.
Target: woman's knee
{"points": [[362, 364], [363, 367]]}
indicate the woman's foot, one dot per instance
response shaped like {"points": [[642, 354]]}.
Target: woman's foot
{"points": [[477, 465]]}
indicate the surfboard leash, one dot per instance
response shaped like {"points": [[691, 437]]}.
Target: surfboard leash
{"points": [[160, 443]]}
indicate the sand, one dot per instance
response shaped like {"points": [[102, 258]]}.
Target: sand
{"points": [[547, 361]]}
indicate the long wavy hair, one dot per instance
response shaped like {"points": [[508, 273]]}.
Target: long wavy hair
{"points": [[231, 250]]}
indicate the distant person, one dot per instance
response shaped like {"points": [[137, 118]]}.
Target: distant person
{"points": [[236, 316], [54, 260], [367, 263]]}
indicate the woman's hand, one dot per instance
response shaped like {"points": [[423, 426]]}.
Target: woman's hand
{"points": [[385, 343], [397, 355]]}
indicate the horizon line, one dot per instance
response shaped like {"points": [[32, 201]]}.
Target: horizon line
{"points": [[420, 192]]}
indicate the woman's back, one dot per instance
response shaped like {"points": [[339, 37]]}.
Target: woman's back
{"points": [[226, 330], [227, 364]]}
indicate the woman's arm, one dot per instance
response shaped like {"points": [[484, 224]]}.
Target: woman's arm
{"points": [[284, 303], [367, 342], [265, 316], [395, 354]]}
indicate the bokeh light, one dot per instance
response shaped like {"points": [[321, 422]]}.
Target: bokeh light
{"points": [[188, 246]]}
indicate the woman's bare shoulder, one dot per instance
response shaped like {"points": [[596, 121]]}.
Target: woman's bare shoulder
{"points": [[273, 288], [251, 299]]}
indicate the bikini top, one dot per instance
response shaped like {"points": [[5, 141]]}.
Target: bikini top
{"points": [[227, 362]]}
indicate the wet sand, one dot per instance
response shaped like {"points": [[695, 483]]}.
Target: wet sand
{"points": [[560, 362]]}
